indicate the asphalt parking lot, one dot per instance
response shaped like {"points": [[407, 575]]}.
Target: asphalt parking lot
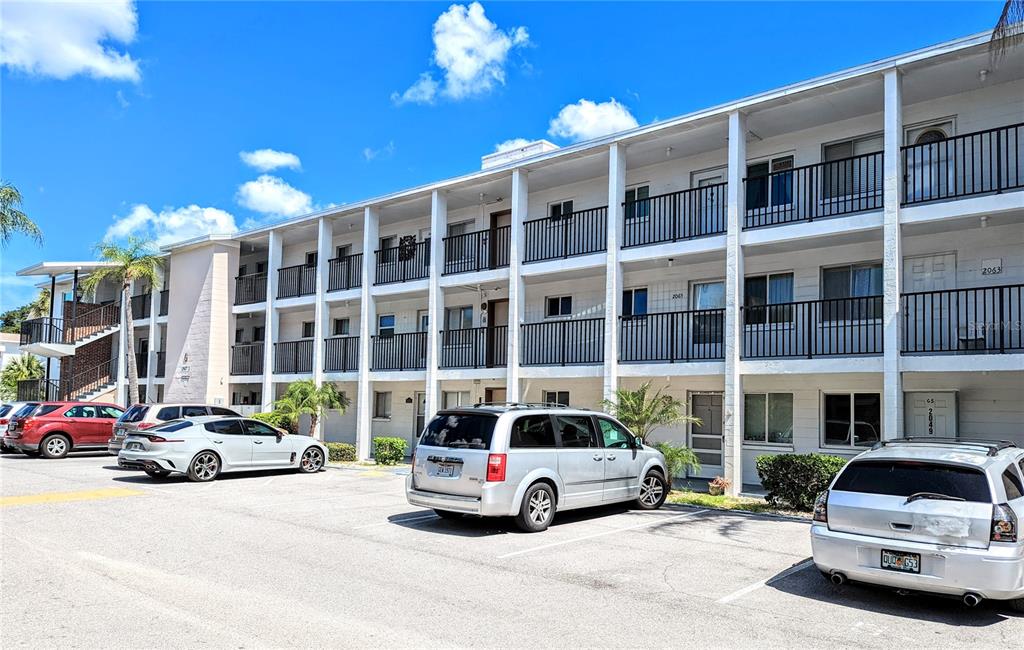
{"points": [[94, 556]]}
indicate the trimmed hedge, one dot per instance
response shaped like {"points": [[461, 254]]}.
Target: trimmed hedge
{"points": [[341, 452], [389, 451], [796, 480]]}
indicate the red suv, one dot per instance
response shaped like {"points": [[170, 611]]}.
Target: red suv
{"points": [[55, 428]]}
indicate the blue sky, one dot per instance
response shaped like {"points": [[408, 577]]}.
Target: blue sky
{"points": [[142, 129]]}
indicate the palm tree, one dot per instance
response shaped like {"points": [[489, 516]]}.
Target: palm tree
{"points": [[1009, 29], [643, 412], [305, 398], [41, 305], [12, 219], [136, 260], [18, 369]]}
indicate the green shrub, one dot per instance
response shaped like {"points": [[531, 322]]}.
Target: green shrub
{"points": [[276, 419], [678, 459], [389, 451], [797, 479], [341, 452]]}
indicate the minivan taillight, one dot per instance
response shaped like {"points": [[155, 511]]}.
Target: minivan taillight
{"points": [[821, 508], [1004, 523], [496, 468]]}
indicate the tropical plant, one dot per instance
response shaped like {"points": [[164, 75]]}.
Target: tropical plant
{"points": [[642, 412], [1009, 29], [41, 305], [679, 458], [12, 219], [306, 398], [135, 261], [719, 486], [18, 369], [276, 419]]}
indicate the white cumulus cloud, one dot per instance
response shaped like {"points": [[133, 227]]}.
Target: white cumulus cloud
{"points": [[171, 224], [509, 145], [585, 120], [471, 52], [64, 39], [270, 195], [267, 159]]}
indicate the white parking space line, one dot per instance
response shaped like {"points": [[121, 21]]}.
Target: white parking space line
{"points": [[397, 521], [761, 583], [601, 534]]}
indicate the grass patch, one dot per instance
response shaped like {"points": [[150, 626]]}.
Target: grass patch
{"points": [[725, 502]]}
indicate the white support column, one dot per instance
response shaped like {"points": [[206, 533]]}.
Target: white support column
{"points": [[892, 256], [613, 271], [321, 313], [367, 325], [516, 286], [732, 408], [122, 352], [154, 347], [270, 332], [435, 299]]}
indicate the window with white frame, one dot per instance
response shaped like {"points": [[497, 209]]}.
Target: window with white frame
{"points": [[460, 228], [343, 251], [557, 306], [386, 325], [453, 398], [382, 404], [634, 302], [770, 182], [311, 258], [852, 291], [257, 334], [556, 397], [458, 318], [851, 419], [637, 205], [341, 327], [760, 291], [768, 418], [846, 172], [307, 329], [559, 209]]}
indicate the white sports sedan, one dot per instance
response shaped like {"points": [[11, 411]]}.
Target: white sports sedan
{"points": [[203, 447]]}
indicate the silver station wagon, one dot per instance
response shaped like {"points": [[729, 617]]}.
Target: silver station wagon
{"points": [[529, 461], [927, 514]]}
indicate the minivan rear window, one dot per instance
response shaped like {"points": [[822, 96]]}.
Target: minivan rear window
{"points": [[905, 478], [459, 431], [135, 414]]}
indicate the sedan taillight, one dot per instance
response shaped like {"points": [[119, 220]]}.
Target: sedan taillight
{"points": [[821, 508], [1004, 523], [146, 425]]}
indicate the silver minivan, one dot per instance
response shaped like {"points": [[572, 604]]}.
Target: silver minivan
{"points": [[927, 514], [529, 461]]}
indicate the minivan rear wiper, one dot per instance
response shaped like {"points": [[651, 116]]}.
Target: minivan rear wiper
{"points": [[931, 495]]}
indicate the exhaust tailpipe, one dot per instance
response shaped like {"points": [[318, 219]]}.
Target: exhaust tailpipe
{"points": [[837, 578], [972, 599]]}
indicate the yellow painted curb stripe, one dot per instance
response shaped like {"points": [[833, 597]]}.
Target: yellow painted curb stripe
{"points": [[61, 497]]}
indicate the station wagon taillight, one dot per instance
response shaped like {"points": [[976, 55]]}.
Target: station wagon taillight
{"points": [[496, 467], [821, 507], [1004, 523]]}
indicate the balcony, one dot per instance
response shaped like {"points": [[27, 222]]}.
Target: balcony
{"points": [[161, 363], [292, 357], [982, 320], [985, 162], [475, 347], [247, 359], [577, 233], [563, 342], [251, 288], [813, 328], [672, 337], [827, 189], [399, 351], [37, 390], [341, 354], [345, 272], [141, 306], [410, 261], [293, 281], [477, 251], [89, 321], [165, 298], [689, 214]]}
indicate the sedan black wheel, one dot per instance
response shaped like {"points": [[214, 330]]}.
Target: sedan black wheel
{"points": [[204, 467], [312, 460]]}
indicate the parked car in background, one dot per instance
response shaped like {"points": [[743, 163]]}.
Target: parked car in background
{"points": [[140, 417], [204, 447], [7, 412], [927, 514], [52, 429], [529, 461]]}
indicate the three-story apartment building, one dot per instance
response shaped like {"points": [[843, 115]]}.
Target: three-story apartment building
{"points": [[814, 268]]}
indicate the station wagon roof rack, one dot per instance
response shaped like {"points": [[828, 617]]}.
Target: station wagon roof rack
{"points": [[992, 447]]}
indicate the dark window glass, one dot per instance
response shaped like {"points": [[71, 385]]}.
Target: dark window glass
{"points": [[193, 411], [459, 431], [307, 330], [575, 430], [4, 409], [25, 410], [46, 409], [73, 412], [257, 334], [904, 478], [168, 413], [257, 428], [837, 419], [109, 412], [556, 397], [532, 431], [173, 425], [227, 427], [220, 410], [867, 422], [1012, 485], [341, 326]]}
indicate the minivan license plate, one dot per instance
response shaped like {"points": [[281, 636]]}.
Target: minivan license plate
{"points": [[445, 470], [905, 562]]}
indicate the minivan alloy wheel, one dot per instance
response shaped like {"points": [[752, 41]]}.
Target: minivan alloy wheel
{"points": [[540, 506], [651, 490]]}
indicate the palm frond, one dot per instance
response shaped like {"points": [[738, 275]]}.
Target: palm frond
{"points": [[12, 219], [1008, 32]]}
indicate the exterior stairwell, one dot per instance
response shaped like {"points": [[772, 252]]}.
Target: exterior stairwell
{"points": [[84, 385], [60, 337]]}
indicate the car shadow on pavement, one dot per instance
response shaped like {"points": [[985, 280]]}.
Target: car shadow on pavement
{"points": [[809, 583], [473, 526], [136, 476]]}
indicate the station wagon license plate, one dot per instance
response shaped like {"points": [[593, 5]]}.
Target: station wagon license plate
{"points": [[135, 445], [445, 470], [904, 562]]}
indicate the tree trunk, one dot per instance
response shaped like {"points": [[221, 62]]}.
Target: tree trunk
{"points": [[313, 419], [129, 322]]}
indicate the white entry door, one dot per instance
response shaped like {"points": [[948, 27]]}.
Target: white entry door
{"points": [[706, 437], [929, 319], [930, 414], [420, 419]]}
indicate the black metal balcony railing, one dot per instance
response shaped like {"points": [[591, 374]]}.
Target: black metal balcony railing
{"points": [[813, 328], [91, 319], [402, 263], [141, 305], [477, 251], [42, 330], [89, 380], [341, 354], [165, 299], [161, 363], [475, 347], [142, 364], [678, 216], [981, 319], [250, 289], [563, 342], [672, 336], [345, 272], [965, 165], [577, 233], [399, 351], [827, 189], [293, 356], [247, 359], [38, 390], [295, 281]]}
